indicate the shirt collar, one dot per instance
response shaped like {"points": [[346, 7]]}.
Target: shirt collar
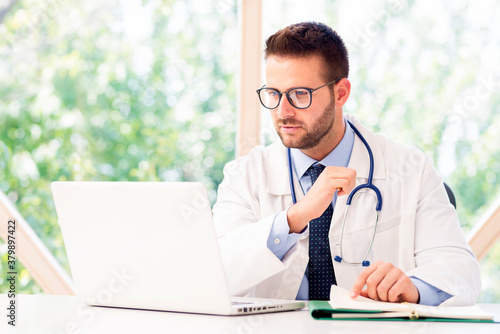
{"points": [[339, 156]]}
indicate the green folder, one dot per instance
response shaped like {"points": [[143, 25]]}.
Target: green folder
{"points": [[322, 310], [342, 307]]}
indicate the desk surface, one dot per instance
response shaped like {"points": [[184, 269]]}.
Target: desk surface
{"points": [[67, 314]]}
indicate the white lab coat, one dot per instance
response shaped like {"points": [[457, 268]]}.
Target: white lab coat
{"points": [[418, 229]]}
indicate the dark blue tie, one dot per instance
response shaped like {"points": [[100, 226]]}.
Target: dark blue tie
{"points": [[321, 275]]}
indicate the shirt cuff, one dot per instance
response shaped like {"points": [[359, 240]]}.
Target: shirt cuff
{"points": [[280, 239], [429, 294]]}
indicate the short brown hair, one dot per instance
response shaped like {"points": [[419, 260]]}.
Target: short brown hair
{"points": [[308, 39]]}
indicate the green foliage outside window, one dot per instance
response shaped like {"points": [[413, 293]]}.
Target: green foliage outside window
{"points": [[109, 91]]}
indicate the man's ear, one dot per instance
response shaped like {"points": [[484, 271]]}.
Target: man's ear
{"points": [[342, 90]]}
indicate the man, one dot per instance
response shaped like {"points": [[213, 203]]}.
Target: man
{"points": [[274, 248]]}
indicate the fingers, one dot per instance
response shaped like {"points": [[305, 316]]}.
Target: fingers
{"points": [[381, 281], [361, 281], [385, 282], [340, 179], [320, 196], [398, 290]]}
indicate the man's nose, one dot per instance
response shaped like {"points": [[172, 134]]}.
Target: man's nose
{"points": [[285, 109]]}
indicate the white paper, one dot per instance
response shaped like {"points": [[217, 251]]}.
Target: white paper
{"points": [[339, 299]]}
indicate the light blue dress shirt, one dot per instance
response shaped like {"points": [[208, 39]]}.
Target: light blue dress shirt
{"points": [[280, 239]]}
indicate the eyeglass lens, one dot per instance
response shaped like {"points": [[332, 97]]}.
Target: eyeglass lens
{"points": [[298, 97]]}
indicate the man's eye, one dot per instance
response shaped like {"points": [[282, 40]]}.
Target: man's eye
{"points": [[301, 92]]}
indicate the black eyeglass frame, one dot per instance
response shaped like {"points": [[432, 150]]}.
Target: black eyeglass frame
{"points": [[310, 90]]}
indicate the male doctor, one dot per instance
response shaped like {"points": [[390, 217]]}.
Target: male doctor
{"points": [[274, 248]]}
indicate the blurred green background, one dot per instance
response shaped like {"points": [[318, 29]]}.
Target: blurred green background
{"points": [[146, 91]]}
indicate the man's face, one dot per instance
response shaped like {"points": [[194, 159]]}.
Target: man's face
{"points": [[301, 128]]}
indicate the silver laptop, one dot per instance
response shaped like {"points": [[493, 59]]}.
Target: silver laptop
{"points": [[148, 245]]}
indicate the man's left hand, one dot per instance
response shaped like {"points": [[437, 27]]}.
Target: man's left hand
{"points": [[387, 283]]}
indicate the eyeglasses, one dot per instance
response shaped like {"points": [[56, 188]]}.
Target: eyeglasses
{"points": [[299, 97]]}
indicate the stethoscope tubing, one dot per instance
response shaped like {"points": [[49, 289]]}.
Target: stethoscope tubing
{"points": [[369, 184]]}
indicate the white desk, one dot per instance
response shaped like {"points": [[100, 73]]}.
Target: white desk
{"points": [[66, 314]]}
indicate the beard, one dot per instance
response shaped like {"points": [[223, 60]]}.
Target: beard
{"points": [[314, 135]]}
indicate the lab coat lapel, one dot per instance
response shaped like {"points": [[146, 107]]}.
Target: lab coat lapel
{"points": [[278, 174]]}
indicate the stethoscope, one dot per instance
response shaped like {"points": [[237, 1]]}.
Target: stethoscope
{"points": [[369, 184]]}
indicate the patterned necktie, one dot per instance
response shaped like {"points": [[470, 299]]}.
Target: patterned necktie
{"points": [[321, 275]]}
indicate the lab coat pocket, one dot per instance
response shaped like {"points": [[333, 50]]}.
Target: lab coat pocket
{"points": [[356, 243], [395, 242], [386, 243]]}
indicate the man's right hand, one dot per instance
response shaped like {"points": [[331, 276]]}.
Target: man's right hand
{"points": [[317, 199]]}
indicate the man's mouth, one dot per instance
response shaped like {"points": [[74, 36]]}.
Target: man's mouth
{"points": [[289, 128]]}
